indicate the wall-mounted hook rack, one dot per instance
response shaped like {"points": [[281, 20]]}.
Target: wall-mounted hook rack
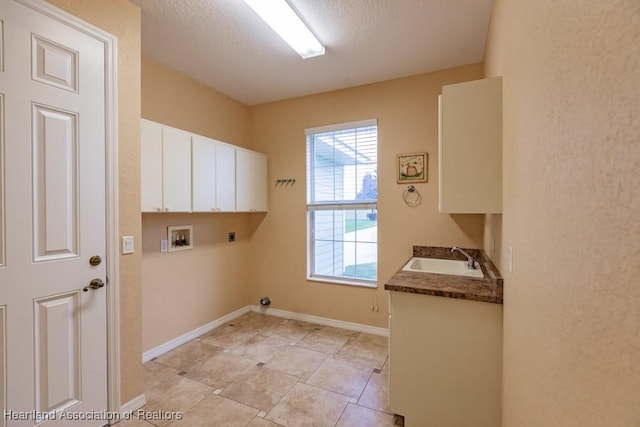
{"points": [[285, 181]]}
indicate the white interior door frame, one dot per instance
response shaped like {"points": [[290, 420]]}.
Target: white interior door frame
{"points": [[111, 122]]}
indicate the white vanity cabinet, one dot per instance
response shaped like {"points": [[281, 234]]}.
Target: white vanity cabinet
{"points": [[165, 168], [213, 175], [251, 181], [445, 361], [470, 147]]}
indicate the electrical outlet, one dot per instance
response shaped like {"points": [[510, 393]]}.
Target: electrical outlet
{"points": [[232, 236], [163, 246]]}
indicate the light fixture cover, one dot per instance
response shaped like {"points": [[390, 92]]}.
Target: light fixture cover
{"points": [[284, 21]]}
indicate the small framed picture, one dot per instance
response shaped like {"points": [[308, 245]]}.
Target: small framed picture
{"points": [[413, 167]]}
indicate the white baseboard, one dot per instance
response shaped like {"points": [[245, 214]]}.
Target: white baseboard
{"points": [[176, 342], [133, 405], [359, 327]]}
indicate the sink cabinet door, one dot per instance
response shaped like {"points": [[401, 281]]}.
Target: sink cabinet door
{"points": [[445, 361]]}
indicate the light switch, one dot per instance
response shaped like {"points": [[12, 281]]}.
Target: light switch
{"points": [[127, 245]]}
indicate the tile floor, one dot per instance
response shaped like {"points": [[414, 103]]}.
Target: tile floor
{"points": [[260, 370]]}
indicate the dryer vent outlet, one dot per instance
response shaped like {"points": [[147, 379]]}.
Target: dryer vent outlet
{"points": [[265, 301]]}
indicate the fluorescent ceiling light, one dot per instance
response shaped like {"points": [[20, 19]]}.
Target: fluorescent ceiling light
{"points": [[284, 21]]}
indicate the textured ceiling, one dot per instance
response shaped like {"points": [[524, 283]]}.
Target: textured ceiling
{"points": [[225, 45]]}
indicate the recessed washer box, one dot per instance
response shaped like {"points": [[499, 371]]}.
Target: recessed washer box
{"points": [[179, 237]]}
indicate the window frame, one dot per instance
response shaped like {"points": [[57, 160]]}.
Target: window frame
{"points": [[346, 205]]}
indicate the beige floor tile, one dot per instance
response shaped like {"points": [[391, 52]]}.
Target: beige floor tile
{"points": [[173, 393], [257, 322], [340, 376], [296, 361], [219, 369], [373, 339], [306, 405], [259, 348], [260, 422], [338, 331], [357, 416], [363, 352], [217, 411], [227, 336], [185, 355], [323, 341], [291, 331], [154, 373], [134, 422], [376, 393], [260, 388], [385, 367]]}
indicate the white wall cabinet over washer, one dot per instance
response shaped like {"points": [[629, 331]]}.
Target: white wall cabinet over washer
{"points": [[470, 147], [251, 181], [165, 168], [213, 175]]}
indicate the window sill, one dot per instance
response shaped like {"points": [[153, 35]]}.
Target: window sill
{"points": [[333, 281]]}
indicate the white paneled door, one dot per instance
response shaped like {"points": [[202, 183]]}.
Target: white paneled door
{"points": [[53, 332]]}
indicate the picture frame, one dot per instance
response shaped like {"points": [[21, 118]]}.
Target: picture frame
{"points": [[412, 167]]}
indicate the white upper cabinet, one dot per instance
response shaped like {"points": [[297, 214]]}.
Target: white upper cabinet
{"points": [[184, 172], [151, 166], [176, 170], [203, 174], [470, 147], [165, 168], [225, 177], [251, 181], [213, 175]]}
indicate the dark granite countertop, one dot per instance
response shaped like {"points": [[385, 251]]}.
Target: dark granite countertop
{"points": [[487, 289]]}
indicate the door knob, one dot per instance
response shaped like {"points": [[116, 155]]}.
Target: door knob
{"points": [[94, 284]]}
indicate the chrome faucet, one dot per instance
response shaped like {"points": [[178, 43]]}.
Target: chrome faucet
{"points": [[470, 263]]}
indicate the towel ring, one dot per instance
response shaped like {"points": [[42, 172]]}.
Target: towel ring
{"points": [[411, 196]]}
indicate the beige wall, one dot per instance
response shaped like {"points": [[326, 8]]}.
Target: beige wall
{"points": [[407, 112], [122, 19], [571, 208], [185, 290]]}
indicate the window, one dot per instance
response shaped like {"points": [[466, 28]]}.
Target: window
{"points": [[342, 196]]}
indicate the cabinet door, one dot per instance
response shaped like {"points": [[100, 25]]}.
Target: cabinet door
{"points": [[151, 166], [259, 185], [176, 168], [251, 181], [470, 147], [203, 174], [225, 171]]}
